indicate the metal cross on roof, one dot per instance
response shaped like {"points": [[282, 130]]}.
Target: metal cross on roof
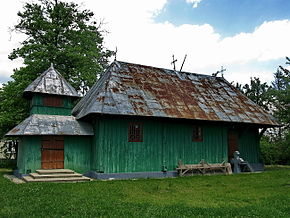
{"points": [[116, 53], [173, 62], [220, 71]]}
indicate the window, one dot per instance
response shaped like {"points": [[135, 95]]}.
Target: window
{"points": [[135, 132], [53, 101], [197, 134]]}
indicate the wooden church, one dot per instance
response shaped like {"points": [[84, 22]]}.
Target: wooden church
{"points": [[137, 121]]}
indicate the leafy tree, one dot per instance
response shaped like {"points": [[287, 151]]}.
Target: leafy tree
{"points": [[258, 92], [276, 146], [276, 151], [60, 33], [281, 94], [13, 108], [239, 87]]}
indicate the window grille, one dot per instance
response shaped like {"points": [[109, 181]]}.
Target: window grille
{"points": [[135, 132], [197, 135]]}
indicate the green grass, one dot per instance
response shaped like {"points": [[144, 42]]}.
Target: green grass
{"points": [[264, 194]]}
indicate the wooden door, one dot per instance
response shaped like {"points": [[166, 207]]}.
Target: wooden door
{"points": [[52, 152], [233, 141]]}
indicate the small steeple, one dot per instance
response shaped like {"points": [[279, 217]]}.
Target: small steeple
{"points": [[50, 82]]}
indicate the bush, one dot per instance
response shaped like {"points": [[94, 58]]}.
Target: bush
{"points": [[276, 152], [8, 163]]}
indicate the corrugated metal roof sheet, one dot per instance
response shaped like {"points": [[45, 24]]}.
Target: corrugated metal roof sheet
{"points": [[131, 89], [38, 124], [51, 82]]}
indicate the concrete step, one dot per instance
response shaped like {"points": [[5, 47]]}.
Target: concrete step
{"points": [[59, 179], [56, 175], [55, 171]]}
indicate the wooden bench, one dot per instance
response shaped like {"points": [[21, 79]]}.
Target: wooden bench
{"points": [[204, 168]]}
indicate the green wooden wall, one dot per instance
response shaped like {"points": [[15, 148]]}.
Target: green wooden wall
{"points": [[29, 155], [249, 145], [77, 153], [164, 143], [38, 108]]}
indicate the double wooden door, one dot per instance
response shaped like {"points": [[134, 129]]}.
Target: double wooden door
{"points": [[52, 152]]}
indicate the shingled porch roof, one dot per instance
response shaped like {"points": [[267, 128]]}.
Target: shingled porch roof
{"points": [[41, 124], [138, 90]]}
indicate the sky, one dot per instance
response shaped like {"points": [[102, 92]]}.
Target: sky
{"points": [[249, 38]]}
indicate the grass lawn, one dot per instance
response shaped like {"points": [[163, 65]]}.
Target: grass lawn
{"points": [[264, 194]]}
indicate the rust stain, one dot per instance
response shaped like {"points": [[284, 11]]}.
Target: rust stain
{"points": [[174, 94], [174, 91], [136, 97], [101, 98], [115, 90], [15, 130]]}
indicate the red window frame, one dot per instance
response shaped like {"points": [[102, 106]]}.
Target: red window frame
{"points": [[197, 133], [135, 132], [53, 101]]}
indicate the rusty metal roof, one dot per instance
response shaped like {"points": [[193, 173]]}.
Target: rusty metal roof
{"points": [[131, 89], [51, 82], [38, 124]]}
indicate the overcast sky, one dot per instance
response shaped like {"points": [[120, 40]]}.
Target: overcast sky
{"points": [[250, 38]]}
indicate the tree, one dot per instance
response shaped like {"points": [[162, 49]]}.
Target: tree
{"points": [[281, 94], [275, 146], [60, 33], [258, 92], [238, 86], [275, 98]]}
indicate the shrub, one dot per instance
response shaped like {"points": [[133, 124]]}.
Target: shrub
{"points": [[7, 163], [276, 152]]}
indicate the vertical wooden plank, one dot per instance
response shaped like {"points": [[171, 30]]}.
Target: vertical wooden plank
{"points": [[250, 145], [29, 154], [78, 153]]}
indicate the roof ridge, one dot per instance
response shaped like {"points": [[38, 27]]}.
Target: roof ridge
{"points": [[166, 69]]}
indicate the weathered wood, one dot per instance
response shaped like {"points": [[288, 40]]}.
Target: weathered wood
{"points": [[52, 152], [203, 167]]}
